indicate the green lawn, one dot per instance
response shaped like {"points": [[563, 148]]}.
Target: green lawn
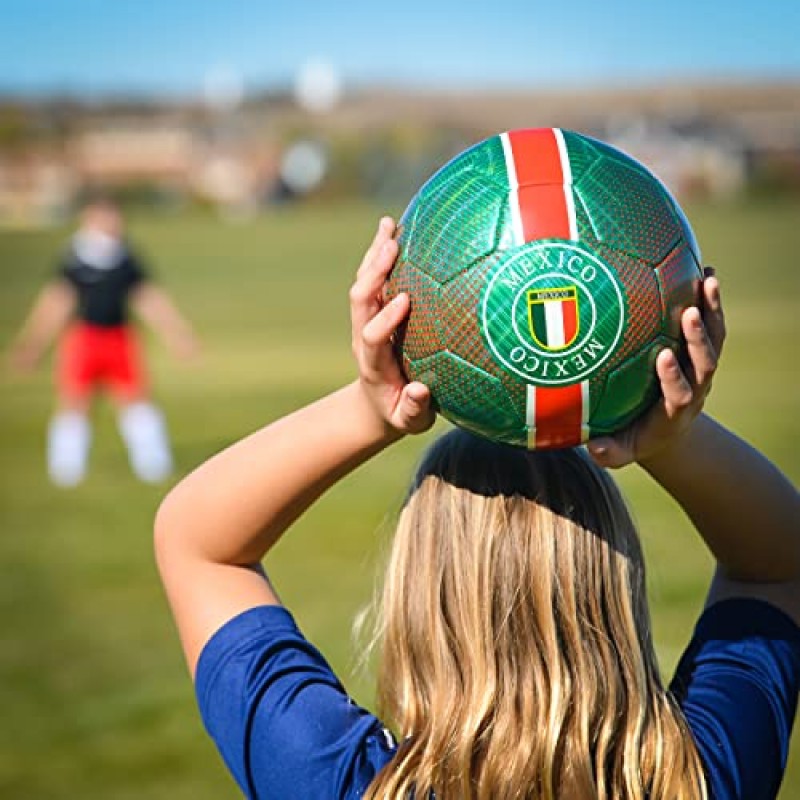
{"points": [[95, 699]]}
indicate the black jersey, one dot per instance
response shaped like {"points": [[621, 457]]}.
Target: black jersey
{"points": [[103, 272]]}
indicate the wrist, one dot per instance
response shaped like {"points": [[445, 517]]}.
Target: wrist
{"points": [[674, 450], [375, 423]]}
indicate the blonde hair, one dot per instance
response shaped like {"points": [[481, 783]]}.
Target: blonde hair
{"points": [[516, 652]]}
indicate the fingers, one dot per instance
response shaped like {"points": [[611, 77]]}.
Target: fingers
{"points": [[634, 441], [386, 229], [610, 452], [702, 354], [679, 403], [675, 386], [713, 316], [374, 352], [704, 334], [683, 390], [413, 413], [365, 294], [378, 331], [406, 407]]}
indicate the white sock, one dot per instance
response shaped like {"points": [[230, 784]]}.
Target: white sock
{"points": [[68, 438], [145, 435]]}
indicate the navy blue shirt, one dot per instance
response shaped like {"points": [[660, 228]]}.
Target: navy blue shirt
{"points": [[287, 729]]}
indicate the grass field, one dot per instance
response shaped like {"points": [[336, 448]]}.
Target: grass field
{"points": [[95, 700]]}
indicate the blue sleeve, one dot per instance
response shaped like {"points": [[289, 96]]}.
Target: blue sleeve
{"points": [[280, 718], [738, 685]]}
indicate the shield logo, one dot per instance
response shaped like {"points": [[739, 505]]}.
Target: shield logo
{"points": [[553, 319]]}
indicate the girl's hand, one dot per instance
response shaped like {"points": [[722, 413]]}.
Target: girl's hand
{"points": [[683, 390], [402, 406], [23, 358]]}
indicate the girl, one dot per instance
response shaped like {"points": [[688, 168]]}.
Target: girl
{"points": [[517, 659]]}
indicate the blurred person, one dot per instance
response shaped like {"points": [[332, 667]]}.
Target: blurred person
{"points": [[86, 307], [517, 658]]}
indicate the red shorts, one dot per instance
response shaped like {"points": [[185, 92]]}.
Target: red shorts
{"points": [[91, 356]]}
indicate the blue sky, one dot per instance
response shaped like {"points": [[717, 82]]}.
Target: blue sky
{"points": [[167, 47]]}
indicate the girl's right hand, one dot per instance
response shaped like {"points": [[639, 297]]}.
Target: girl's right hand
{"points": [[402, 406]]}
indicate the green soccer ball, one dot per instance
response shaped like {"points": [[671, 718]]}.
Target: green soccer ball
{"points": [[546, 271]]}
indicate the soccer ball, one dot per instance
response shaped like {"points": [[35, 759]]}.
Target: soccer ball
{"points": [[546, 271]]}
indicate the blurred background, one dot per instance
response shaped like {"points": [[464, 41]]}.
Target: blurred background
{"points": [[252, 147]]}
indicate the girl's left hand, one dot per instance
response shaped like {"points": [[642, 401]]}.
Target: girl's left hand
{"points": [[402, 406], [683, 390]]}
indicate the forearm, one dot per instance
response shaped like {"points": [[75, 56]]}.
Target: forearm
{"points": [[51, 311], [745, 509], [233, 508], [154, 306], [214, 528]]}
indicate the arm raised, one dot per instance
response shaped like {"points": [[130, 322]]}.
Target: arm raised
{"points": [[214, 527], [744, 508]]}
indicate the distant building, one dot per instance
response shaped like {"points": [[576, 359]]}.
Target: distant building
{"points": [[701, 140], [35, 188], [693, 161], [133, 151]]}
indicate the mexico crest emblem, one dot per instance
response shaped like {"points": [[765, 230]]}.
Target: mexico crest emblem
{"points": [[553, 318]]}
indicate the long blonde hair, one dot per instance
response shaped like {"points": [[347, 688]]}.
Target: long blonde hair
{"points": [[516, 657]]}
